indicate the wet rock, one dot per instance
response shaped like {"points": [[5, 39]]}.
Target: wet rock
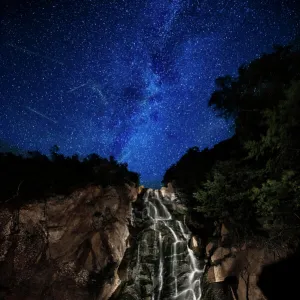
{"points": [[147, 290], [194, 244], [210, 248], [161, 264], [223, 262]]}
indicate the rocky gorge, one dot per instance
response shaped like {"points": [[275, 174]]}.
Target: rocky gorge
{"points": [[122, 243]]}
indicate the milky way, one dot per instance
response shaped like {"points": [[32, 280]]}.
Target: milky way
{"points": [[127, 78]]}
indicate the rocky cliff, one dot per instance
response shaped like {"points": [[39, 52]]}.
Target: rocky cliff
{"points": [[234, 268], [97, 244], [66, 247]]}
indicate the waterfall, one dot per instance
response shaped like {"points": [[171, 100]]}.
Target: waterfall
{"points": [[163, 266]]}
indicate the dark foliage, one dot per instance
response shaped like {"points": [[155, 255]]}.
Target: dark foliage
{"points": [[194, 165], [34, 176], [254, 177], [259, 85]]}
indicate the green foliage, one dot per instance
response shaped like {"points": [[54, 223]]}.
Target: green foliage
{"points": [[279, 144], [226, 194], [275, 197]]}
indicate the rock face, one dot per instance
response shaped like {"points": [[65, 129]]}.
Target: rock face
{"points": [[67, 247], [280, 280], [234, 272], [89, 245]]}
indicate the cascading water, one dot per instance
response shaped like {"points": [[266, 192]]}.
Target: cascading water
{"points": [[162, 266]]}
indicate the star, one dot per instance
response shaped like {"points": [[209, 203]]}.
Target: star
{"points": [[130, 79]]}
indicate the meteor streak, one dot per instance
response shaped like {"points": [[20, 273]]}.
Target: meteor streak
{"points": [[77, 87], [40, 114], [29, 52]]}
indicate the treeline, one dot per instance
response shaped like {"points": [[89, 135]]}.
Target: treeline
{"points": [[34, 176], [252, 179]]}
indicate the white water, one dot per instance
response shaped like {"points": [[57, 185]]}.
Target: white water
{"points": [[163, 222]]}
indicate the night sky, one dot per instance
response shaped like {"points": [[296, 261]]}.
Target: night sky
{"points": [[127, 78]]}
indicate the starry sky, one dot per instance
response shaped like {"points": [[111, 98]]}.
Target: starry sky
{"points": [[129, 78]]}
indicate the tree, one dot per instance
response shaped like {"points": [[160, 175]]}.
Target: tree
{"points": [[259, 177], [259, 85], [279, 144], [226, 194]]}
